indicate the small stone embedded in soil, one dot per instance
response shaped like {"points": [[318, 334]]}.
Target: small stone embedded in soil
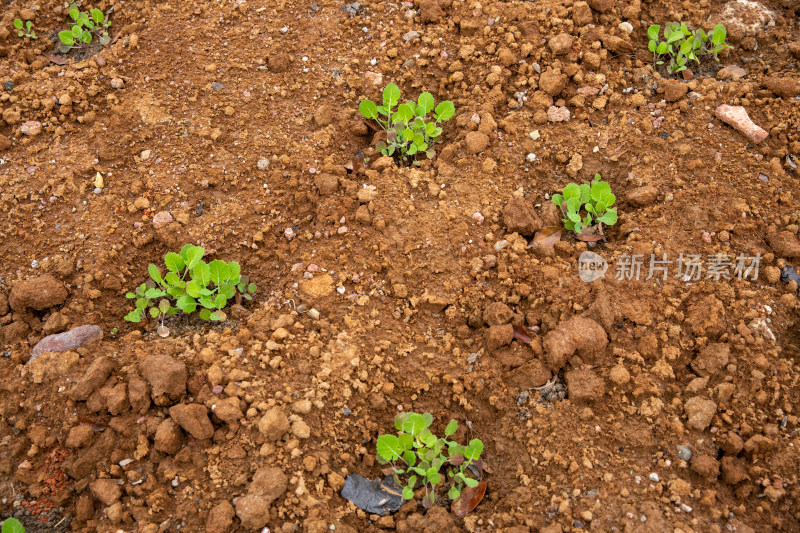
{"points": [[684, 453], [69, 340], [700, 412], [263, 163], [193, 418], [162, 218], [220, 518], [674, 90], [737, 118], [558, 114], [31, 128], [731, 72], [642, 196], [117, 83], [274, 424]]}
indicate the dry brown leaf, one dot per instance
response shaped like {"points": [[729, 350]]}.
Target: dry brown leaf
{"points": [[469, 499], [521, 334], [58, 60], [546, 237]]}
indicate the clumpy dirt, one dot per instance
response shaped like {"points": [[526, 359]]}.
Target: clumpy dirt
{"points": [[666, 404]]}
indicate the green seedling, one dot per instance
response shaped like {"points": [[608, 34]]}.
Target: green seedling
{"points": [[188, 285], [12, 525], [416, 452], [682, 45], [84, 27], [24, 29], [594, 199], [408, 133]]}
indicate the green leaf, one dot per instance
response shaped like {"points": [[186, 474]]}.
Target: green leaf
{"points": [[18, 24], [130, 295], [154, 312], [193, 289], [220, 301], [473, 450], [426, 102], [391, 95], [435, 479], [451, 428], [408, 493], [610, 218], [652, 46], [74, 13], [388, 447], [202, 273], [207, 302], [410, 457], [218, 316], [205, 314], [470, 482], [97, 16], [411, 150], [12, 525], [66, 37], [453, 493], [252, 288], [653, 31], [557, 199], [414, 423], [398, 420], [174, 262], [404, 114], [718, 34], [572, 191], [368, 109], [427, 438], [193, 255], [134, 316], [662, 48], [154, 293], [444, 111], [155, 274], [187, 304]]}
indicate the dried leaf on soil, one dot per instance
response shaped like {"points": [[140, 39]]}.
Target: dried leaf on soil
{"points": [[469, 499], [521, 334], [58, 60], [546, 237]]}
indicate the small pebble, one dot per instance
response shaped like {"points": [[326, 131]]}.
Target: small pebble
{"points": [[117, 83], [263, 163], [654, 477], [684, 453]]}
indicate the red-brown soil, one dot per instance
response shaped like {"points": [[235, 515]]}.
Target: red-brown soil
{"points": [[420, 272]]}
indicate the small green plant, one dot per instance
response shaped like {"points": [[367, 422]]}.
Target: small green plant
{"points": [[408, 134], [595, 199], [682, 45], [12, 525], [421, 456], [24, 29], [85, 26], [188, 284]]}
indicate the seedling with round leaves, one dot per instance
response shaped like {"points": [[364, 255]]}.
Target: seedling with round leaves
{"points": [[12, 525], [682, 45], [416, 452], [24, 29], [408, 132], [188, 285], [593, 199], [84, 27]]}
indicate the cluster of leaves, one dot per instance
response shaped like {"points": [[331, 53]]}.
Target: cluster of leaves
{"points": [[24, 29], [594, 199], [12, 525], [421, 456], [408, 134], [84, 27], [682, 45], [188, 284]]}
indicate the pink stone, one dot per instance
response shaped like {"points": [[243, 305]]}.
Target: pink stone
{"points": [[69, 340], [589, 90], [738, 119], [31, 128], [162, 218], [312, 268], [558, 114]]}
